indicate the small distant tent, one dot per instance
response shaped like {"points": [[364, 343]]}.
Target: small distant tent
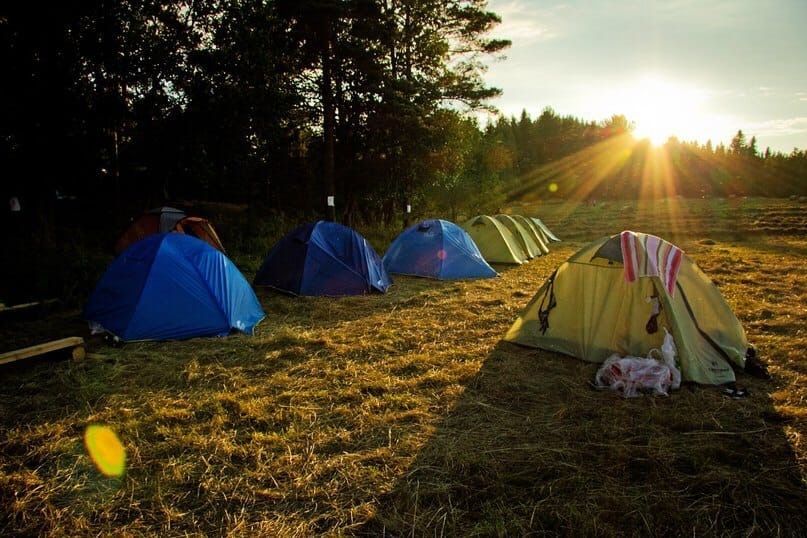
{"points": [[200, 228], [495, 241], [171, 287], [168, 219], [545, 229], [534, 231], [323, 258], [587, 309], [436, 249], [524, 237]]}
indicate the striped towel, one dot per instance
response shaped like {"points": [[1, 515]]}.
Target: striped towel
{"points": [[648, 255]]}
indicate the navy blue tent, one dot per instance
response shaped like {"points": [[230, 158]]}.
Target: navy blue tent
{"points": [[323, 258], [172, 286], [436, 249]]}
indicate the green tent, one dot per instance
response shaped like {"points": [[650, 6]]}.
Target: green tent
{"points": [[535, 232], [549, 235], [494, 240], [590, 311], [524, 237], [540, 231]]}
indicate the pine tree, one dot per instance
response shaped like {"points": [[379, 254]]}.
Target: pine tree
{"points": [[738, 146], [751, 150]]}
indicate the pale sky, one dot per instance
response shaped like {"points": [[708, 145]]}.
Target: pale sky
{"points": [[697, 69]]}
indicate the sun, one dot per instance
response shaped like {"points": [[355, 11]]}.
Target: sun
{"points": [[660, 108]]}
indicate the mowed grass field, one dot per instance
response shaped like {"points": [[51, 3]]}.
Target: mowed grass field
{"points": [[405, 415]]}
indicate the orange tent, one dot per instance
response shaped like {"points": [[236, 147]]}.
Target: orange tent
{"points": [[164, 220]]}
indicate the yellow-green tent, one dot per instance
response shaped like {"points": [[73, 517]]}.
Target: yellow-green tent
{"points": [[540, 231], [494, 240], [535, 232], [588, 310], [547, 232], [523, 237]]}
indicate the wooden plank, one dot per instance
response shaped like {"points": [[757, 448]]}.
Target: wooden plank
{"points": [[36, 309], [25, 306], [39, 349], [18, 307]]}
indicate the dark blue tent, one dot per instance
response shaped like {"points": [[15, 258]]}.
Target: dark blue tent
{"points": [[436, 249], [172, 286], [323, 258]]}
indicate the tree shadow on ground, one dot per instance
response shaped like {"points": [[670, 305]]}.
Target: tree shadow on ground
{"points": [[531, 448], [51, 386]]}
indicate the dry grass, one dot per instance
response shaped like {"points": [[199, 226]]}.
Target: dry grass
{"points": [[404, 414]]}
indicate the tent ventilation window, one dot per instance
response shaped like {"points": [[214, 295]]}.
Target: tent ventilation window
{"points": [[543, 313], [652, 323]]}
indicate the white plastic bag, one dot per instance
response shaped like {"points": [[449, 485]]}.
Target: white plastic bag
{"points": [[668, 353], [632, 375]]}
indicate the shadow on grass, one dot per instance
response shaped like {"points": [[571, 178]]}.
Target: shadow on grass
{"points": [[322, 313], [530, 448], [51, 387]]}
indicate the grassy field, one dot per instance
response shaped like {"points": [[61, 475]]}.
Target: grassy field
{"points": [[404, 414]]}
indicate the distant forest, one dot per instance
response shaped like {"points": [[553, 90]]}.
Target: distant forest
{"points": [[121, 105]]}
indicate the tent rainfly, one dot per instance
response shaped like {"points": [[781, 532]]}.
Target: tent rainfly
{"points": [[436, 249], [535, 232], [521, 235], [164, 220], [171, 287], [588, 309], [545, 229], [323, 258], [495, 241]]}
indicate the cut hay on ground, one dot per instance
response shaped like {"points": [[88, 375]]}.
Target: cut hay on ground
{"points": [[404, 414]]}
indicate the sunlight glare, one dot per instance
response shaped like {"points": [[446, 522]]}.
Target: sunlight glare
{"points": [[105, 450], [660, 107]]}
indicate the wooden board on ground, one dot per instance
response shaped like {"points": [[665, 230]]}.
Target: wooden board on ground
{"points": [[76, 343], [36, 308]]}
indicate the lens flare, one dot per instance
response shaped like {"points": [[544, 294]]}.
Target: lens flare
{"points": [[441, 254], [553, 187], [105, 450]]}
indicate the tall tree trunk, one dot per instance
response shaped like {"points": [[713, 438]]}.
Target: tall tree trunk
{"points": [[342, 162], [328, 123], [408, 74], [112, 94]]}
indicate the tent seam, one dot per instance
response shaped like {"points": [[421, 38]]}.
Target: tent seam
{"points": [[207, 287], [145, 283], [343, 264]]}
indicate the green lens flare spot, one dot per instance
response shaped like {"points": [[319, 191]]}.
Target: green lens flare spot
{"points": [[105, 450], [553, 187]]}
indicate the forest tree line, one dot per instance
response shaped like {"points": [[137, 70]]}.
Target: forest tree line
{"points": [[276, 103], [280, 103], [590, 160]]}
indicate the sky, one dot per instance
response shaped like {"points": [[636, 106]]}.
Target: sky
{"points": [[695, 69]]}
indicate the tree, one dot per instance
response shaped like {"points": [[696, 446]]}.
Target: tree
{"points": [[751, 149], [434, 51], [738, 146]]}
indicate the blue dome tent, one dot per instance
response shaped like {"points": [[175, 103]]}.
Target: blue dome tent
{"points": [[323, 258], [170, 287], [436, 249]]}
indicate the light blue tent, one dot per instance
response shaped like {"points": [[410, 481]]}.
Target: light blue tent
{"points": [[323, 258], [436, 249], [170, 287]]}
